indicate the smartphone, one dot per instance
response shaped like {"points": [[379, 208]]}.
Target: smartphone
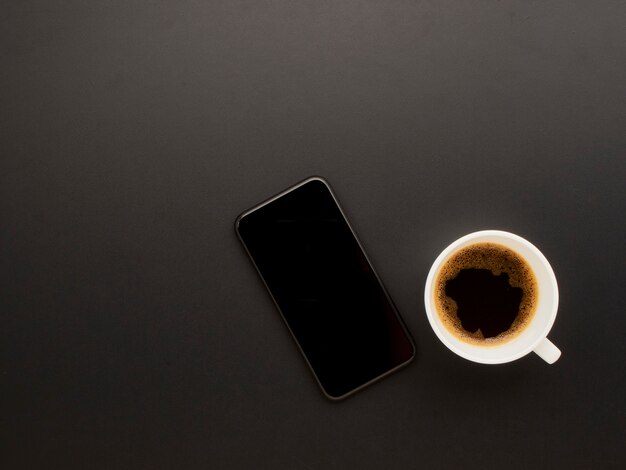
{"points": [[325, 287]]}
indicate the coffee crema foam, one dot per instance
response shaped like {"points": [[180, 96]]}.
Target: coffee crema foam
{"points": [[498, 259]]}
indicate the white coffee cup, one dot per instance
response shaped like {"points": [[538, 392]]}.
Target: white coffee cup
{"points": [[534, 336]]}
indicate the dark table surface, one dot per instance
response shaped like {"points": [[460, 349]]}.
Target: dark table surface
{"points": [[136, 333]]}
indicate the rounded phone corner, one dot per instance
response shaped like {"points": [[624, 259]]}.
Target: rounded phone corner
{"points": [[413, 347], [238, 220], [412, 356], [334, 398], [319, 178]]}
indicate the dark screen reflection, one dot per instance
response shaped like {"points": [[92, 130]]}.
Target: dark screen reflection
{"points": [[325, 288]]}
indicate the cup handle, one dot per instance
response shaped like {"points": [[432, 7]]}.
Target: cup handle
{"points": [[547, 351]]}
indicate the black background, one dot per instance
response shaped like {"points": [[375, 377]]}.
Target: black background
{"points": [[135, 332]]}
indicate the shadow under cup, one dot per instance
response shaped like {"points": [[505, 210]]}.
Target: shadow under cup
{"points": [[533, 335]]}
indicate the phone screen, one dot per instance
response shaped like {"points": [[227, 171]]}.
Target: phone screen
{"points": [[326, 289]]}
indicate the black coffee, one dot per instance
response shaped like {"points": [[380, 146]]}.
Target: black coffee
{"points": [[486, 294]]}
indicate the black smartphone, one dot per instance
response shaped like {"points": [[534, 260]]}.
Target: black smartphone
{"points": [[325, 288]]}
